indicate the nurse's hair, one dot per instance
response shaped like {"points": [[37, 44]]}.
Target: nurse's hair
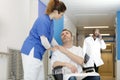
{"points": [[55, 5], [67, 30]]}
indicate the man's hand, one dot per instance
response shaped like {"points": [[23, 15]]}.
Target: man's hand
{"points": [[53, 48], [71, 67], [100, 36]]}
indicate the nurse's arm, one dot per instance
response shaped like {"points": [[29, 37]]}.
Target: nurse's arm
{"points": [[54, 42], [45, 42]]}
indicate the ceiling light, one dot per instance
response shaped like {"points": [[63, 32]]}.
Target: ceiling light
{"points": [[102, 34], [96, 26], [91, 14]]}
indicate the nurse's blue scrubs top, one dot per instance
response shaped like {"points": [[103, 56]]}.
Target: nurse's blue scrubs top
{"points": [[42, 26]]}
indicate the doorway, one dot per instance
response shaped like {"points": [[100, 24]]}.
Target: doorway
{"points": [[108, 56]]}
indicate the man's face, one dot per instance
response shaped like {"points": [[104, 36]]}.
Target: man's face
{"points": [[66, 36], [96, 32]]}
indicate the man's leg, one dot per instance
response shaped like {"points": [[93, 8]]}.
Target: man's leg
{"points": [[72, 78], [96, 68], [58, 76]]}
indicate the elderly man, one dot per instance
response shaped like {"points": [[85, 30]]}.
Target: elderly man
{"points": [[68, 56]]}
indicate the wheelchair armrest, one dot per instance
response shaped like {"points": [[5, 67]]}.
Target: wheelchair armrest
{"points": [[57, 70], [57, 73]]}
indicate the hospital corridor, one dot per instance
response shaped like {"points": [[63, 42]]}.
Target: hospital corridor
{"points": [[81, 18]]}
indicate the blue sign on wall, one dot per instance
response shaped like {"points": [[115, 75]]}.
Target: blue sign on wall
{"points": [[118, 35], [58, 27]]}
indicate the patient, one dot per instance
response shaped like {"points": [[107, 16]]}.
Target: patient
{"points": [[72, 58], [68, 56]]}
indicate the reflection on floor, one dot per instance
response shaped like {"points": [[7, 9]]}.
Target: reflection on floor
{"points": [[107, 78]]}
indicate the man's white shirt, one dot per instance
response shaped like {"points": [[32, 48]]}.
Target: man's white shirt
{"points": [[58, 56]]}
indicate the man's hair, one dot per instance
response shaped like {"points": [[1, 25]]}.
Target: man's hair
{"points": [[96, 29], [67, 30]]}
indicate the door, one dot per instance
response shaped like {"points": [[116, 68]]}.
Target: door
{"points": [[107, 56]]}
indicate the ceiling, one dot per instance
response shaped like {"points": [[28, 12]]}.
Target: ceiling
{"points": [[92, 13]]}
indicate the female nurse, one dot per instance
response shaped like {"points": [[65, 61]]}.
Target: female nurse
{"points": [[39, 40]]}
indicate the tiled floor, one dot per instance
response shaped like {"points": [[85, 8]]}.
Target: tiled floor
{"points": [[107, 78], [103, 78]]}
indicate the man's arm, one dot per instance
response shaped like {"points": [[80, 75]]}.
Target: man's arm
{"points": [[65, 64], [75, 58], [58, 63], [103, 45]]}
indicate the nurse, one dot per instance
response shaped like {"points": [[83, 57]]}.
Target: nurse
{"points": [[39, 40]]}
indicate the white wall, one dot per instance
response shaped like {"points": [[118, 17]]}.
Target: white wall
{"points": [[80, 39], [69, 25], [16, 18]]}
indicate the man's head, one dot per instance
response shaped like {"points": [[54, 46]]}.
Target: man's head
{"points": [[96, 32], [66, 36]]}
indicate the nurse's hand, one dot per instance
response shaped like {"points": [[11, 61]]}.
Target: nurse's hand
{"points": [[62, 49], [53, 48]]}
